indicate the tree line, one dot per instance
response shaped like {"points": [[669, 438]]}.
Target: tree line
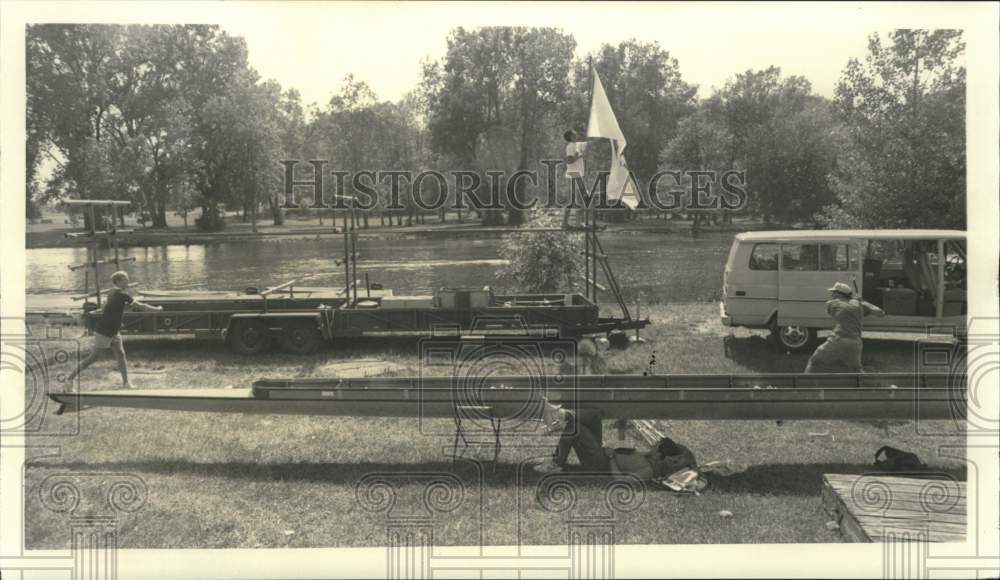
{"points": [[174, 119]]}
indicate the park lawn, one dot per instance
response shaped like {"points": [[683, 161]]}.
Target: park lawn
{"points": [[231, 481]]}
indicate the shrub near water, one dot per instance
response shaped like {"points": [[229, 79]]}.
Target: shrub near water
{"points": [[541, 261]]}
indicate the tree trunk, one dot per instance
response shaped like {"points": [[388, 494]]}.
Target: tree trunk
{"points": [[276, 212], [159, 214]]}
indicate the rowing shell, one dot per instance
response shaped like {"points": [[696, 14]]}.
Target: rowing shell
{"points": [[725, 397]]}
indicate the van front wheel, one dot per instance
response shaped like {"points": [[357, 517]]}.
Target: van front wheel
{"points": [[794, 338]]}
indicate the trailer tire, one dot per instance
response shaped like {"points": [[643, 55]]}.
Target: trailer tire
{"points": [[301, 338], [249, 337]]}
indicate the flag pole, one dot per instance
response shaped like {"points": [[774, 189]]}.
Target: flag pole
{"points": [[588, 249]]}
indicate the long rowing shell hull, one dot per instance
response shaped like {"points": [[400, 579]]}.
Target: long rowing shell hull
{"points": [[520, 398]]}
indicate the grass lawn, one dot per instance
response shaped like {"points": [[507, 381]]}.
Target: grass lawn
{"points": [[230, 481]]}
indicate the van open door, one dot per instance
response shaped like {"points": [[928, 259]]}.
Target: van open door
{"points": [[921, 285]]}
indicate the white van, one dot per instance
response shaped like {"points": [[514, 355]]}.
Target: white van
{"points": [[779, 279]]}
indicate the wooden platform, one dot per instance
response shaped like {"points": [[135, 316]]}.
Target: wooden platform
{"points": [[876, 508]]}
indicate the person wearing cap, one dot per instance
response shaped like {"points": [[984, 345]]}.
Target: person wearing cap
{"points": [[842, 350]]}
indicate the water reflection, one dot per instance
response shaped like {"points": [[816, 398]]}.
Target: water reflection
{"points": [[664, 268]]}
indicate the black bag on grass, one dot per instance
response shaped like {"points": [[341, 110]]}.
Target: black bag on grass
{"points": [[891, 459]]}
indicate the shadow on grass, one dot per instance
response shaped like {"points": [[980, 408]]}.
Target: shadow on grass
{"points": [[150, 351], [506, 474], [805, 478], [178, 348], [795, 479], [759, 354]]}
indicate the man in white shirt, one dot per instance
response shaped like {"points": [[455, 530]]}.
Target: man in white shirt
{"points": [[574, 173]]}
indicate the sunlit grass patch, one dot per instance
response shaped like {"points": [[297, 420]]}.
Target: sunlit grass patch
{"points": [[228, 481]]}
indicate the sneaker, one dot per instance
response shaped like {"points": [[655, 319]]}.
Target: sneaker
{"points": [[129, 386], [548, 467]]}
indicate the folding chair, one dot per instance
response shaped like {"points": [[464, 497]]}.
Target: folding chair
{"points": [[471, 413]]}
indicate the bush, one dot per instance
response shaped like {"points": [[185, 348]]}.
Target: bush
{"points": [[210, 220], [541, 261]]}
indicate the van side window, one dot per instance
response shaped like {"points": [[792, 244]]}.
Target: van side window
{"points": [[837, 258], [800, 257], [764, 257]]}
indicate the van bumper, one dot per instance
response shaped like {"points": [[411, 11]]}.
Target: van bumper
{"points": [[724, 316]]}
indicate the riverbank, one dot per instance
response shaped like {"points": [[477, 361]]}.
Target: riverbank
{"points": [[52, 235]]}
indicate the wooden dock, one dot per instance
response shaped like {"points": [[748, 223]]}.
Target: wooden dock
{"points": [[876, 508]]}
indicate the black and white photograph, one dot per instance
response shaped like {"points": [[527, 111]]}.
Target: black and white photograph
{"points": [[499, 290]]}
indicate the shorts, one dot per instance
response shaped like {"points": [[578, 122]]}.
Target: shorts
{"points": [[102, 342]]}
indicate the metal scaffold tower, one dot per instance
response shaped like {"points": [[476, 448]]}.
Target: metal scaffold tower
{"points": [[593, 254], [110, 214]]}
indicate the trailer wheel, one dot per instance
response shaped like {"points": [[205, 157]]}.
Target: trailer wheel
{"points": [[249, 337], [793, 338], [301, 338]]}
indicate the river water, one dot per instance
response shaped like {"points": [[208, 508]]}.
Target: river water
{"points": [[663, 267]]}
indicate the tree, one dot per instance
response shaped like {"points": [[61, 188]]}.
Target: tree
{"points": [[902, 159], [67, 69], [119, 110], [701, 142], [506, 83], [647, 93], [778, 132], [775, 130], [246, 137], [541, 261], [351, 128]]}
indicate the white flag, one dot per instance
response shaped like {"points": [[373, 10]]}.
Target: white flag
{"points": [[621, 185], [602, 121]]}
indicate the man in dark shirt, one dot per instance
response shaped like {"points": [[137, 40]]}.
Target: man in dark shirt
{"points": [[107, 329]]}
